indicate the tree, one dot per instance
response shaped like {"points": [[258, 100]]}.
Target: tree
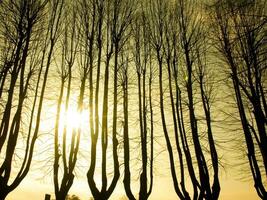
{"points": [[68, 157], [126, 141], [144, 71], [157, 21], [192, 33], [118, 16], [25, 19], [240, 40], [177, 39]]}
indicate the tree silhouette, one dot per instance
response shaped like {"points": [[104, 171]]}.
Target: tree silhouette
{"points": [[143, 66], [177, 40], [70, 41], [25, 19], [158, 53], [240, 28], [118, 17]]}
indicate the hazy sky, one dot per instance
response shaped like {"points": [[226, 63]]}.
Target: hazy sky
{"points": [[231, 188], [31, 189], [163, 189]]}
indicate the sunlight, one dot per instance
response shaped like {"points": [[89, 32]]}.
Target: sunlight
{"points": [[72, 118]]}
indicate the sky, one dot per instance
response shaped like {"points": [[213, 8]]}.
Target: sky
{"points": [[38, 183], [35, 188], [32, 189], [232, 187]]}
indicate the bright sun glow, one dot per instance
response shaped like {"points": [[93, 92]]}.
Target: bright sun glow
{"points": [[72, 118]]}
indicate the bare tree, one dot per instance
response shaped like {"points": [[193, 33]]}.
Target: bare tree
{"points": [[117, 16], [126, 141], [177, 38], [241, 41], [70, 41], [143, 67], [157, 20], [26, 16], [7, 52], [191, 29]]}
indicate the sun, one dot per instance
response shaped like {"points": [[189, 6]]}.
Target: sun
{"points": [[72, 118]]}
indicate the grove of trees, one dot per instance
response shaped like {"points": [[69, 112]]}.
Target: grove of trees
{"points": [[142, 77]]}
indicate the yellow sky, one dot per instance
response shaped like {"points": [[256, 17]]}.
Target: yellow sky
{"points": [[231, 187], [231, 190], [31, 189]]}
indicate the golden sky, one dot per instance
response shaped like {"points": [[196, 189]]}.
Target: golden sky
{"points": [[231, 188], [163, 189]]}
